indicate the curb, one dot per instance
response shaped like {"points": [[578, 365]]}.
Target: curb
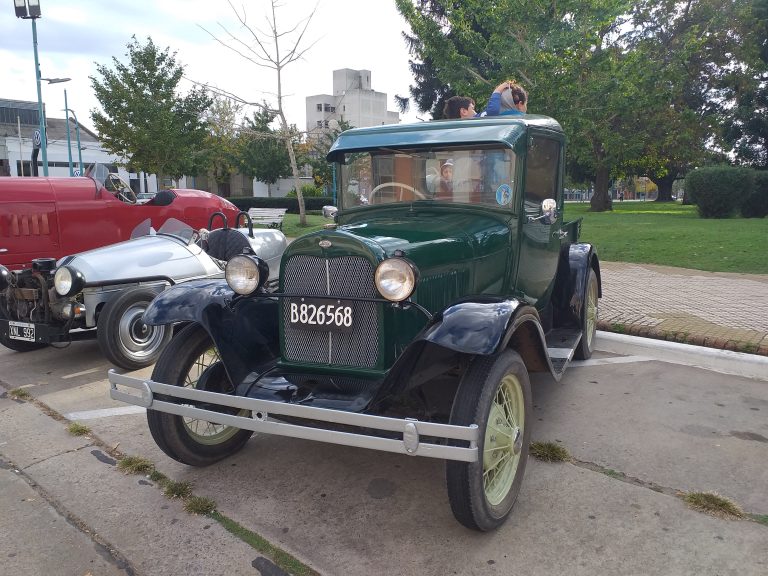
{"points": [[707, 341], [724, 361]]}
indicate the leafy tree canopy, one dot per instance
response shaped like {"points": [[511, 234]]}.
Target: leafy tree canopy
{"points": [[143, 119]]}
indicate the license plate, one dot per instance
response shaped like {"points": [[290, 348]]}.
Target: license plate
{"points": [[21, 331], [321, 315]]}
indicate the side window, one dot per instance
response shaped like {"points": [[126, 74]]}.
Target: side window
{"points": [[541, 171]]}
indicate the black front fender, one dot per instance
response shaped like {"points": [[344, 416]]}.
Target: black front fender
{"points": [[472, 327], [244, 330]]}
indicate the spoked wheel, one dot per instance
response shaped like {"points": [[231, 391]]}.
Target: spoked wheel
{"points": [[588, 319], [123, 336], [495, 394], [191, 360]]}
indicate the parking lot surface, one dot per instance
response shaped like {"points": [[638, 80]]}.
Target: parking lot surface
{"points": [[640, 432]]}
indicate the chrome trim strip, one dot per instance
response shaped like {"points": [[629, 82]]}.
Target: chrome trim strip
{"points": [[410, 444]]}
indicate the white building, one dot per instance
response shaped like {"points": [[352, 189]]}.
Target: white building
{"points": [[353, 100], [18, 124]]}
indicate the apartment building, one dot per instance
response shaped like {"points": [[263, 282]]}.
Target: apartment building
{"points": [[353, 100]]}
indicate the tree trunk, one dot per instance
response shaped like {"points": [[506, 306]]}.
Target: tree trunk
{"points": [[665, 186], [601, 201]]}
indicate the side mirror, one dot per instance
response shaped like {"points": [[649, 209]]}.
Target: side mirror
{"points": [[548, 212]]}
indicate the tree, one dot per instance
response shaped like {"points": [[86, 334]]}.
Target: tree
{"points": [[144, 120], [218, 157], [567, 53], [261, 151], [316, 149], [264, 50], [744, 110]]}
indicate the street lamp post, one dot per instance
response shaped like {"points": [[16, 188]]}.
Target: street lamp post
{"points": [[69, 141], [77, 134], [30, 10]]}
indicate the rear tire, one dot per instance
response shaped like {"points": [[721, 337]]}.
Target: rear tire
{"points": [[589, 313], [190, 357], [123, 336], [495, 394]]}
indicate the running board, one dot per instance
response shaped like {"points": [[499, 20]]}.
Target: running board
{"points": [[561, 346]]}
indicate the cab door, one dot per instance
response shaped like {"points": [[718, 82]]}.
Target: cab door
{"points": [[540, 237]]}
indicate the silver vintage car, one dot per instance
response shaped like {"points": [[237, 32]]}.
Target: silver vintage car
{"points": [[103, 293]]}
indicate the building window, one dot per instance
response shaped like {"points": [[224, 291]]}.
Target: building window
{"points": [[319, 107], [319, 123], [325, 124]]}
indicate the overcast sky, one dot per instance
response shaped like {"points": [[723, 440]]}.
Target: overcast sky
{"points": [[74, 35]]}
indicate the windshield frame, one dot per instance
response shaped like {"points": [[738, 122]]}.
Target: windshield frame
{"points": [[484, 175]]}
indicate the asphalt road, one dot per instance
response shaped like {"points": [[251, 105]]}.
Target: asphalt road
{"points": [[641, 432]]}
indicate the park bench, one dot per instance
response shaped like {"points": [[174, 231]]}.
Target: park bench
{"points": [[269, 217]]}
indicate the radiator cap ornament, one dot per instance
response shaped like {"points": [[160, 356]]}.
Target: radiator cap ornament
{"points": [[325, 243]]}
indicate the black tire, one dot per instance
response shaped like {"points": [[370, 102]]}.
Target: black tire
{"points": [[475, 504], [589, 311], [18, 345], [123, 336], [190, 356]]}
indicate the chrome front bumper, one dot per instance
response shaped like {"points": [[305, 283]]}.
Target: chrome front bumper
{"points": [[263, 412]]}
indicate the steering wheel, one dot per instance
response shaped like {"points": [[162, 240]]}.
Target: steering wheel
{"points": [[127, 195], [403, 187]]}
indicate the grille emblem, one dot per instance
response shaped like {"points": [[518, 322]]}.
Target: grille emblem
{"points": [[325, 243]]}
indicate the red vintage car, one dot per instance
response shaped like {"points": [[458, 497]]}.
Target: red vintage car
{"points": [[55, 217]]}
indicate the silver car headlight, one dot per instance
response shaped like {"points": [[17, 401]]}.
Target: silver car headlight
{"points": [[68, 281], [396, 279], [245, 273]]}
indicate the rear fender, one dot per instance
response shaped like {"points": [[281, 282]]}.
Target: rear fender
{"points": [[244, 330], [576, 260]]}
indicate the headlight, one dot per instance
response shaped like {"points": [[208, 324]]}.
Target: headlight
{"points": [[68, 281], [5, 277], [246, 273], [396, 279]]}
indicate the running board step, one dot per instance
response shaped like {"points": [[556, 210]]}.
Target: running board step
{"points": [[561, 346]]}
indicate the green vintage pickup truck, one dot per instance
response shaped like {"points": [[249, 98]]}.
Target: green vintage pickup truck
{"points": [[410, 325]]}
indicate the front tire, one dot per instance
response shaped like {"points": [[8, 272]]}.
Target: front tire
{"points": [[123, 336], [495, 394], [192, 360], [588, 319]]}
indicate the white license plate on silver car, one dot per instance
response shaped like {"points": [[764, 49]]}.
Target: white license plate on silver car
{"points": [[21, 331]]}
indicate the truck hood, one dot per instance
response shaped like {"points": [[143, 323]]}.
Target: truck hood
{"points": [[456, 249]]}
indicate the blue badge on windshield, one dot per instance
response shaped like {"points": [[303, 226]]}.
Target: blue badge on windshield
{"points": [[503, 194]]}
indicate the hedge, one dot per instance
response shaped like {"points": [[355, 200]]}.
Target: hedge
{"points": [[756, 204], [313, 203], [718, 191]]}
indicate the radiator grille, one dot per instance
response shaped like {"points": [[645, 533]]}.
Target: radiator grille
{"points": [[342, 276]]}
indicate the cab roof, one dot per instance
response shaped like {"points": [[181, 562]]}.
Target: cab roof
{"points": [[489, 129]]}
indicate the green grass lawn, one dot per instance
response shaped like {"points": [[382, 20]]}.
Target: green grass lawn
{"points": [[669, 234], [292, 229]]}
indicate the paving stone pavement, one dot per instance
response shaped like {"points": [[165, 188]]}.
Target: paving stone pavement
{"points": [[715, 309]]}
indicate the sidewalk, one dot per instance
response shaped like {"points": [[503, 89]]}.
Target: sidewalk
{"points": [[714, 309]]}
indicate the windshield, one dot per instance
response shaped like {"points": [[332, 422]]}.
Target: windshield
{"points": [[171, 227], [454, 175]]}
